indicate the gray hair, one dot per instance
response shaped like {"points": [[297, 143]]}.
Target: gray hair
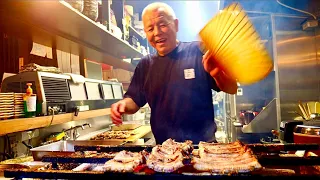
{"points": [[154, 5]]}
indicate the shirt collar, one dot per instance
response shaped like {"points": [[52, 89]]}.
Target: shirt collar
{"points": [[173, 52]]}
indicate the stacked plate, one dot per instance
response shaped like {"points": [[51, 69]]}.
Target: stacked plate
{"points": [[6, 105], [11, 105], [18, 105]]}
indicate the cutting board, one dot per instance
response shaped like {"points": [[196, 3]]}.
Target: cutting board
{"points": [[138, 133], [124, 127]]}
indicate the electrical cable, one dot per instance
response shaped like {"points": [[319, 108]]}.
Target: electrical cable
{"points": [[10, 152], [315, 17], [52, 111], [29, 147], [4, 147]]}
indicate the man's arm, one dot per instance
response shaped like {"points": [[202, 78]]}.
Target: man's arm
{"points": [[134, 98], [124, 106], [131, 106]]}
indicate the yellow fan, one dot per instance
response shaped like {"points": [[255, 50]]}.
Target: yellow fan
{"points": [[236, 46]]}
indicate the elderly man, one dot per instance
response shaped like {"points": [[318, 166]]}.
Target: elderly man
{"points": [[174, 82]]}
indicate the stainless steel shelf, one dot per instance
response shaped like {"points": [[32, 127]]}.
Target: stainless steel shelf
{"points": [[23, 124], [56, 24], [133, 31]]}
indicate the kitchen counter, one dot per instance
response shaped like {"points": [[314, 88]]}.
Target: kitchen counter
{"points": [[139, 132]]}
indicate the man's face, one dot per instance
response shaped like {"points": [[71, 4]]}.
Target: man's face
{"points": [[161, 30]]}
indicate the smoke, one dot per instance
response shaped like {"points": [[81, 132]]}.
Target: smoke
{"points": [[271, 6]]}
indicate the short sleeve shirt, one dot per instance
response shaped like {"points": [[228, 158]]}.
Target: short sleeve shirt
{"points": [[179, 93]]}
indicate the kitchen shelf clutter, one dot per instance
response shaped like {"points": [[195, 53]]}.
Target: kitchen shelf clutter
{"points": [[63, 25], [84, 29], [129, 21]]}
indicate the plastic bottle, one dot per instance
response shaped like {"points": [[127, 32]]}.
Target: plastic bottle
{"points": [[29, 102]]}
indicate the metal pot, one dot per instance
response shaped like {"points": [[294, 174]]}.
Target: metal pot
{"points": [[307, 134], [307, 130]]}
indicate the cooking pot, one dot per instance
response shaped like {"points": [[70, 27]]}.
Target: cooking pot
{"points": [[307, 130], [307, 134]]}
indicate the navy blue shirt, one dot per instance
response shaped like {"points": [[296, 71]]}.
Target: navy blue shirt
{"points": [[181, 106]]}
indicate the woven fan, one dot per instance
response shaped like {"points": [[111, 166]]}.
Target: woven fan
{"points": [[236, 46]]}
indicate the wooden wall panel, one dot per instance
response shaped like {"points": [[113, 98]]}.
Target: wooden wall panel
{"points": [[42, 61], [12, 48], [9, 54]]}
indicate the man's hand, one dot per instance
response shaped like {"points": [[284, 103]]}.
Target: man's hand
{"points": [[209, 65], [224, 82], [127, 105], [117, 109]]}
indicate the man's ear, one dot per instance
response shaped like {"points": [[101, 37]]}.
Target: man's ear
{"points": [[176, 23]]}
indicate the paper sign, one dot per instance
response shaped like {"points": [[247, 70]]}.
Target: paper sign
{"points": [[49, 52], [38, 49], [189, 74]]}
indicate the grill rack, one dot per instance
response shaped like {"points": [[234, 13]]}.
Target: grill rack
{"points": [[268, 155], [65, 174]]}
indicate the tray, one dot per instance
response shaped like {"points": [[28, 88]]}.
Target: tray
{"points": [[124, 127], [285, 163], [256, 148], [67, 147], [266, 173]]}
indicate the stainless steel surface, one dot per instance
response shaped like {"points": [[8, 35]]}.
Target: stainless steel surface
{"points": [[275, 64], [309, 130], [296, 76], [124, 127], [256, 96], [298, 64], [265, 121], [74, 131], [97, 124], [65, 147]]}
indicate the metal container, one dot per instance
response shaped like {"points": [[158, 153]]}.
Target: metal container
{"points": [[287, 128], [307, 134], [308, 130], [66, 147], [124, 127]]}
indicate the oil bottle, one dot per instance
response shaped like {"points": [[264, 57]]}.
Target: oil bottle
{"points": [[29, 102]]}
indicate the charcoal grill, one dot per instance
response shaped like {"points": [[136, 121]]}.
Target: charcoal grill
{"points": [[270, 156]]}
